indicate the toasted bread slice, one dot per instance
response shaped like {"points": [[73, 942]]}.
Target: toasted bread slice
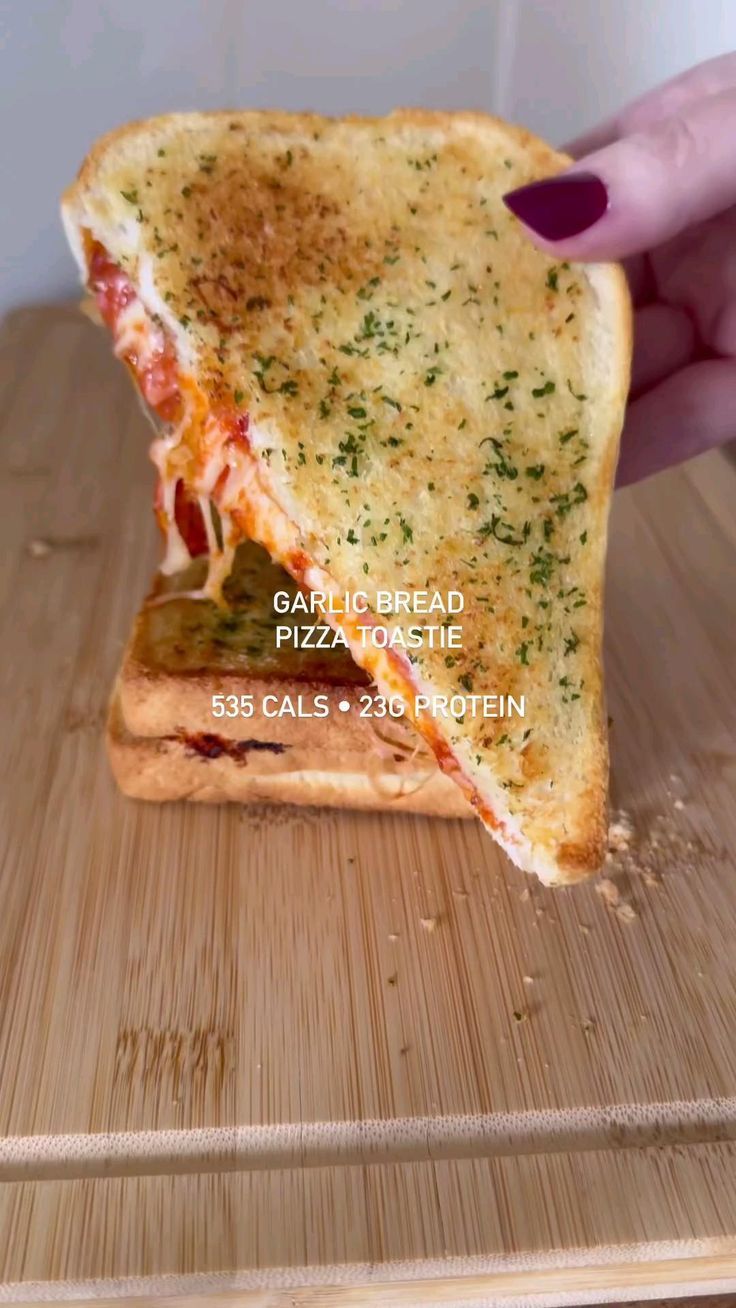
{"points": [[367, 367], [210, 768], [186, 660]]}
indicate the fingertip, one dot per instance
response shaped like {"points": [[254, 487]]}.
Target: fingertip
{"points": [[687, 413], [557, 209]]}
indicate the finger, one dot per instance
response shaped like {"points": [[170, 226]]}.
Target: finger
{"points": [[697, 271], [709, 78], [639, 276], [688, 413], [664, 341], [594, 139], [640, 191]]}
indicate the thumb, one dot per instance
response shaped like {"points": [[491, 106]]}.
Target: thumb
{"points": [[639, 191]]}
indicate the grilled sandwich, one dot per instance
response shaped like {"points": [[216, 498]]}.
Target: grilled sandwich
{"points": [[358, 360]]}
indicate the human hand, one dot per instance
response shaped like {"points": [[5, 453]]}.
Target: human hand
{"points": [[655, 186]]}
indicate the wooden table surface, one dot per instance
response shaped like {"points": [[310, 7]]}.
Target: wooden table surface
{"points": [[305, 1057]]}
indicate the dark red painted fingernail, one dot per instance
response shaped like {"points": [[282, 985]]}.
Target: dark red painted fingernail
{"points": [[559, 207]]}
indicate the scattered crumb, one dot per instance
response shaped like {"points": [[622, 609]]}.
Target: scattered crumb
{"points": [[460, 894], [611, 894], [393, 979], [404, 1049], [626, 912], [525, 895], [651, 853], [38, 549], [608, 891], [589, 1025], [520, 1015], [528, 980], [620, 832], [428, 923], [393, 935], [582, 926]]}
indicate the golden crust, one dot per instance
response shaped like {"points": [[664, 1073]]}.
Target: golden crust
{"points": [[379, 252]]}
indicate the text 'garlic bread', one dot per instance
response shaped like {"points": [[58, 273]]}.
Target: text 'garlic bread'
{"points": [[360, 359]]}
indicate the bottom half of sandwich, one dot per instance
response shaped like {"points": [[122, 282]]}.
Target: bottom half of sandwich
{"points": [[243, 703]]}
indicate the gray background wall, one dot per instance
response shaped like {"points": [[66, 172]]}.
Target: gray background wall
{"points": [[71, 69]]}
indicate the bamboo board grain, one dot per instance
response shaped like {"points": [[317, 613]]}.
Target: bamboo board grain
{"points": [[304, 1055]]}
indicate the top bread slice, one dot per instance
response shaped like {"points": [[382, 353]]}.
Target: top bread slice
{"points": [[366, 365]]}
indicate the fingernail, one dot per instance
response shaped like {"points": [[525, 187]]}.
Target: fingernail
{"points": [[560, 207]]}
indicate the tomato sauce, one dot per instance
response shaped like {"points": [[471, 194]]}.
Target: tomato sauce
{"points": [[155, 368]]}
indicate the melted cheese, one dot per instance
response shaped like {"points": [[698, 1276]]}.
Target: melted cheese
{"points": [[177, 556], [136, 336]]}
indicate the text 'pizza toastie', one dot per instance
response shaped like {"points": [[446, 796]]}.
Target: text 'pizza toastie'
{"points": [[360, 361]]}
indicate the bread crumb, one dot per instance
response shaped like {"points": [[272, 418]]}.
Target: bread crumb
{"points": [[611, 894], [608, 891], [428, 923], [652, 854], [393, 935], [38, 549], [620, 832], [528, 980]]}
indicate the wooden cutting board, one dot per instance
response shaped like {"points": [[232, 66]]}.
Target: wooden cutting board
{"points": [[328, 1058]]}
